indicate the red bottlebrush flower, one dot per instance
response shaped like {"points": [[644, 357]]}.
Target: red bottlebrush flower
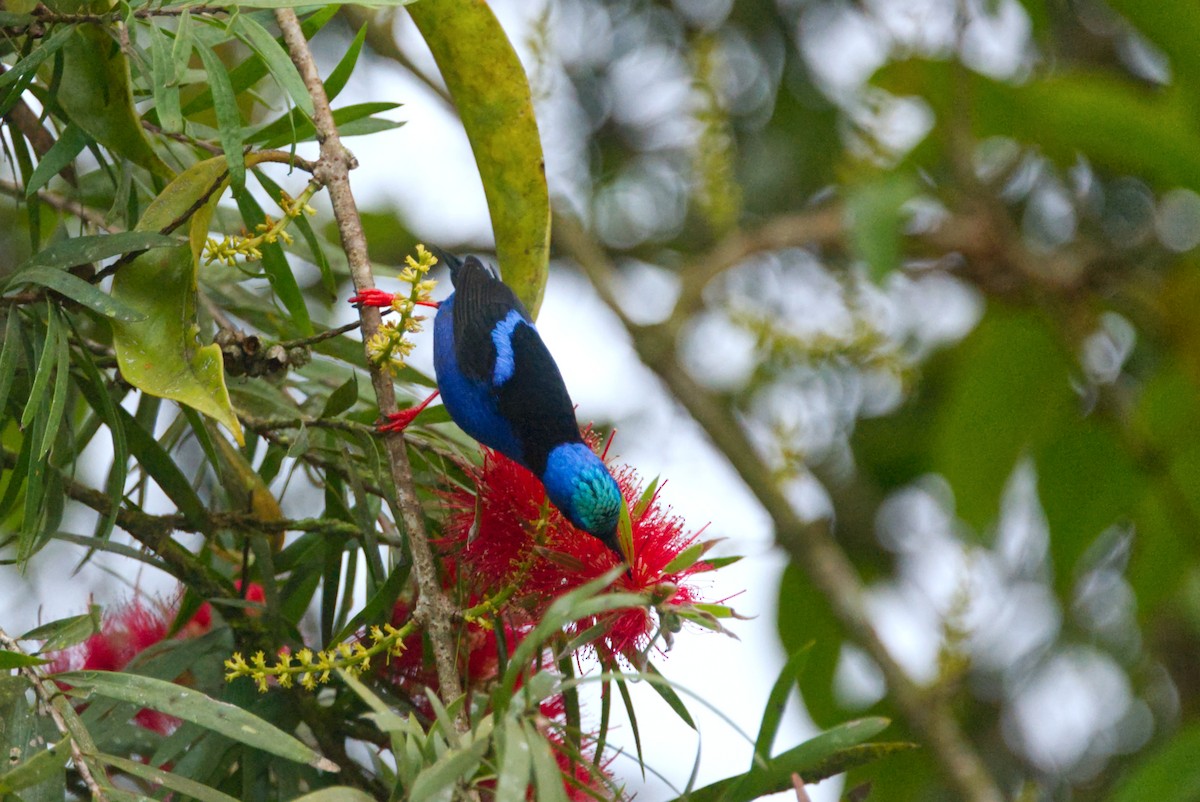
{"points": [[373, 297], [494, 540], [129, 630]]}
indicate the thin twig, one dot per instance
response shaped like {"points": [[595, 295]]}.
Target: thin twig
{"points": [[58, 708], [434, 610], [93, 217], [810, 545]]}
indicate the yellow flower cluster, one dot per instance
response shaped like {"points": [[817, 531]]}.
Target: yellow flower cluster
{"points": [[311, 668], [388, 348], [229, 249]]}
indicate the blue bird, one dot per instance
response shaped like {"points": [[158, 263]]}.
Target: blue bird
{"points": [[501, 386]]}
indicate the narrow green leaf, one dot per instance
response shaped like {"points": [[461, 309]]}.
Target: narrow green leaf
{"points": [[66, 632], [160, 777], [776, 702], [285, 3], [294, 127], [10, 660], [9, 356], [95, 391], [663, 688], [490, 89], [45, 368], [685, 559], [643, 503], [78, 290], [340, 74], [191, 705], [181, 51], [625, 532], [229, 118], [156, 462], [85, 250], [342, 399], [58, 397], [777, 775], [68, 145], [165, 81], [547, 775], [454, 765], [633, 725], [39, 768], [336, 793], [45, 49], [279, 64], [516, 762]]}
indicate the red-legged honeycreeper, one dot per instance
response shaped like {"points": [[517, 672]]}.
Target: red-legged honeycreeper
{"points": [[500, 384]]}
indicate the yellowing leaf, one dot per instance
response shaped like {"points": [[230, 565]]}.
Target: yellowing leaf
{"points": [[161, 355], [490, 89]]}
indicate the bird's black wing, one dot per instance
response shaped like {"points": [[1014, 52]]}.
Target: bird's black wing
{"points": [[481, 301], [534, 400]]}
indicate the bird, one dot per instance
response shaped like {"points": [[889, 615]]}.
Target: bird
{"points": [[500, 384]]}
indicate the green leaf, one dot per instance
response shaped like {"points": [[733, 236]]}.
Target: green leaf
{"points": [[777, 775], [1009, 392], [876, 222], [64, 150], [81, 292], [340, 74], [294, 127], [42, 766], [41, 379], [547, 774], [663, 688], [777, 702], [66, 632], [454, 765], [176, 700], [45, 49], [9, 355], [58, 397], [160, 355], [490, 89], [341, 399], [95, 93], [10, 660], [336, 793], [1170, 774], [157, 462], [279, 64], [516, 763], [165, 83], [283, 4], [85, 250], [625, 532], [229, 118], [160, 777]]}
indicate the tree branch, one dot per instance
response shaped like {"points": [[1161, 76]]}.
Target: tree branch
{"points": [[434, 610], [810, 545]]}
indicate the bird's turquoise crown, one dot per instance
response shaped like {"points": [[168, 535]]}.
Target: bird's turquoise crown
{"points": [[580, 485]]}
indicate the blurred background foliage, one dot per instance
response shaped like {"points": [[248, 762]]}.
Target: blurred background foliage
{"points": [[932, 266]]}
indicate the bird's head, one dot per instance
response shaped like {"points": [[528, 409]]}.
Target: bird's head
{"points": [[470, 268], [580, 485]]}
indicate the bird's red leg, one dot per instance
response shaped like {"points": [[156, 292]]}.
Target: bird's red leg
{"points": [[399, 421]]}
